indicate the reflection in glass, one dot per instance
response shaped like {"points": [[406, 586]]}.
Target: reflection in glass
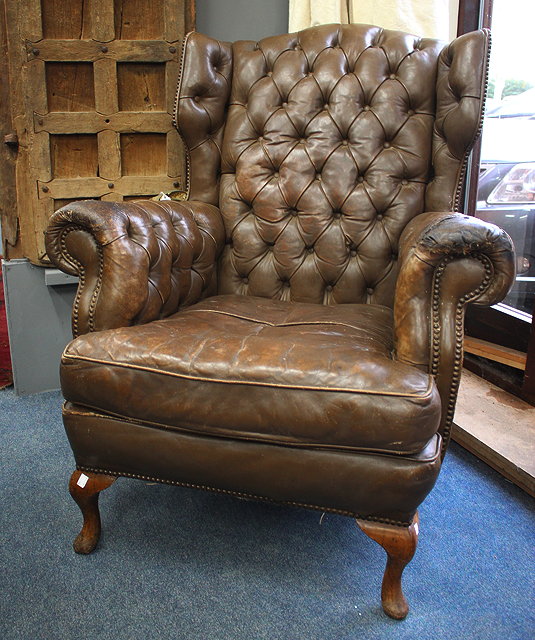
{"points": [[506, 192]]}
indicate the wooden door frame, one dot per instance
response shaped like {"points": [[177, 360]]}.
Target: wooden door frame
{"points": [[11, 247]]}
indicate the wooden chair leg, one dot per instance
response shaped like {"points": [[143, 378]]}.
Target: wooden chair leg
{"points": [[85, 488], [400, 545]]}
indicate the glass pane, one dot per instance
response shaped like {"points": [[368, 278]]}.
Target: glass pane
{"points": [[506, 193]]}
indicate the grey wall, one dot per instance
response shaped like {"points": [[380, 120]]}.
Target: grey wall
{"points": [[38, 306], [242, 19], [39, 313]]}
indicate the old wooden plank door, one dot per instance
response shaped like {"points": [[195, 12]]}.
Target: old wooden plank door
{"points": [[88, 113]]}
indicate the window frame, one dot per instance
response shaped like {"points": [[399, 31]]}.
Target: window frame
{"points": [[498, 324]]}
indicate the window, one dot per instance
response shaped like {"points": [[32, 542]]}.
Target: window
{"points": [[502, 183]]}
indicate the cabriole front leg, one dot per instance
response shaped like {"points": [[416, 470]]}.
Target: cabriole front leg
{"points": [[400, 545], [85, 488]]}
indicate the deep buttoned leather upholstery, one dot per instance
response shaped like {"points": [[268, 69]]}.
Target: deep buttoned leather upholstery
{"points": [[325, 153], [292, 331]]}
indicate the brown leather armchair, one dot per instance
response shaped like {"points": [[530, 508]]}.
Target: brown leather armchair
{"points": [[291, 332]]}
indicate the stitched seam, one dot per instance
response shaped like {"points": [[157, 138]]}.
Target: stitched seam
{"points": [[242, 494], [185, 376], [273, 324], [98, 412]]}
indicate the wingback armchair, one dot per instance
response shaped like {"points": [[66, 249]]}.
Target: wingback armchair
{"points": [[291, 331]]}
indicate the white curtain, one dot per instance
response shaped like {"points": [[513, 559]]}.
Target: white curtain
{"points": [[431, 18]]}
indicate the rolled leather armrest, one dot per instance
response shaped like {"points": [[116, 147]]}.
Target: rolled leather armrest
{"points": [[446, 261], [137, 261]]}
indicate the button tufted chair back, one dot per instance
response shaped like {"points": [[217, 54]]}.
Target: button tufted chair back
{"points": [[319, 147]]}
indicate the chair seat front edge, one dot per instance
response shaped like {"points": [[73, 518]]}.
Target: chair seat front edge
{"points": [[366, 485]]}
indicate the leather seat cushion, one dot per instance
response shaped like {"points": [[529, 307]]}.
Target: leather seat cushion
{"points": [[265, 370]]}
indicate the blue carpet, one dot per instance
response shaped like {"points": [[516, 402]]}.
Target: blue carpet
{"points": [[182, 564]]}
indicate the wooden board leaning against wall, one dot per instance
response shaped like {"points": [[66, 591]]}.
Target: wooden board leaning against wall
{"points": [[86, 104]]}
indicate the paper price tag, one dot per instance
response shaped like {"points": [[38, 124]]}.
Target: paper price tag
{"points": [[82, 480]]}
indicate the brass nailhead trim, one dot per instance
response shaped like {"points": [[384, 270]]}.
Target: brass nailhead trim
{"points": [[175, 110], [81, 274], [464, 164], [459, 335], [241, 494], [96, 292]]}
